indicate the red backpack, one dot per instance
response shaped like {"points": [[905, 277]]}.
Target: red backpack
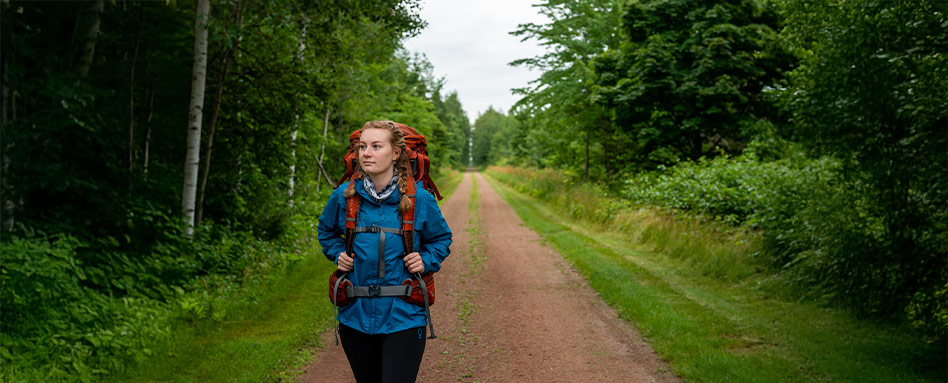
{"points": [[421, 289], [419, 164]]}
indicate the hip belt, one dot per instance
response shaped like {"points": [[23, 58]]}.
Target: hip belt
{"points": [[378, 291]]}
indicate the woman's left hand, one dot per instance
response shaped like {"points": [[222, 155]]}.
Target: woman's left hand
{"points": [[414, 264]]}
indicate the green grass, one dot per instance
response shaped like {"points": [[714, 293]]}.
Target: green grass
{"points": [[448, 179], [262, 341], [712, 327]]}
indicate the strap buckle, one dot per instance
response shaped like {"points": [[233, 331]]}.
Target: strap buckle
{"points": [[375, 291]]}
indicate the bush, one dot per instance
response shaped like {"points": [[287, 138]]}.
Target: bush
{"points": [[736, 190], [65, 319], [822, 231], [51, 319]]}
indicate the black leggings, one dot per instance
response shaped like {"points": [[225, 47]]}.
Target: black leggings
{"points": [[389, 358]]}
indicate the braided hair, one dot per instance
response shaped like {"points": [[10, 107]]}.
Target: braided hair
{"points": [[398, 142]]}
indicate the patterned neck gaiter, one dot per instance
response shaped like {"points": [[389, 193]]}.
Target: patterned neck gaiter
{"points": [[387, 191]]}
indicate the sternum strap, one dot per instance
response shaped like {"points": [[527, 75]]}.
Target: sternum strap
{"points": [[381, 231]]}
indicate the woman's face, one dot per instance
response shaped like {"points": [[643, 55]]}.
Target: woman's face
{"points": [[376, 153]]}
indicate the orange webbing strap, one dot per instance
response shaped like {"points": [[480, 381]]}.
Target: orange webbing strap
{"points": [[408, 238], [352, 216], [352, 208]]}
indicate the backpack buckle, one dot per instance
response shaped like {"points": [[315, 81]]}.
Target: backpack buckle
{"points": [[375, 291]]}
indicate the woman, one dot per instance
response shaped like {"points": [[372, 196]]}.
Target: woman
{"points": [[383, 336]]}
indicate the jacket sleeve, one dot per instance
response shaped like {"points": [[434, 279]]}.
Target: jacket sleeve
{"points": [[435, 235], [330, 230]]}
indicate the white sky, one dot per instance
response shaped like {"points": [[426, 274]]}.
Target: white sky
{"points": [[468, 44]]}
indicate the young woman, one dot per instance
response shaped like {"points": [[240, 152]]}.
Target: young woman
{"points": [[383, 336]]}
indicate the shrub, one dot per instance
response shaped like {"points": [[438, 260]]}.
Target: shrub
{"points": [[51, 319], [822, 230]]}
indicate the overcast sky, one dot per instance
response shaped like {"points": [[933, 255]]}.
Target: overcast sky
{"points": [[468, 44]]}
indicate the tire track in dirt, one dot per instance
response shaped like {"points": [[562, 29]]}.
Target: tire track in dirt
{"points": [[510, 309]]}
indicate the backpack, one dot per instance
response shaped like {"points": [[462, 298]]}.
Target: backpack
{"points": [[419, 163], [420, 290]]}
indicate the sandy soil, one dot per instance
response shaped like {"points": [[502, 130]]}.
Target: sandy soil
{"points": [[510, 309]]}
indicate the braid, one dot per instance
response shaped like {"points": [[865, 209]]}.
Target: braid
{"points": [[350, 190], [405, 204]]}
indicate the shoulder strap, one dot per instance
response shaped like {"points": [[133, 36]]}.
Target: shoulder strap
{"points": [[352, 217], [408, 217]]}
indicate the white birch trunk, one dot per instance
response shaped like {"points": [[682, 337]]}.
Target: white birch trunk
{"points": [[300, 50], [195, 114], [89, 39], [293, 161], [322, 150]]}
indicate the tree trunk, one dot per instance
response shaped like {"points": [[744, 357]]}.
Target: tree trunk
{"points": [[215, 111], [322, 149], [151, 110], [131, 101], [292, 183], [90, 34], [4, 92], [8, 205], [586, 167], [300, 50], [696, 146], [195, 114]]}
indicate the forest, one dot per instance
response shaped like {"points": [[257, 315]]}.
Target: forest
{"points": [[101, 111], [821, 127]]}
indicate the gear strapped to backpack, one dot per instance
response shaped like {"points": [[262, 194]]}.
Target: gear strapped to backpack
{"points": [[418, 290]]}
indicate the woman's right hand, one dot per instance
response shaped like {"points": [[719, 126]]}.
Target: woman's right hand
{"points": [[344, 263]]}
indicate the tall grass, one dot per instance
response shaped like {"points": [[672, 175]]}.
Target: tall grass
{"points": [[716, 249]]}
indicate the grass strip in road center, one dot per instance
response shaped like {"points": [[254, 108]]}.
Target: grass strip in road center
{"points": [[712, 331]]}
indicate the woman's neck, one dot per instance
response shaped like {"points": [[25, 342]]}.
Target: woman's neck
{"points": [[381, 180]]}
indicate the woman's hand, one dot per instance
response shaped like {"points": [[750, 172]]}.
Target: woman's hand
{"points": [[344, 263], [414, 264]]}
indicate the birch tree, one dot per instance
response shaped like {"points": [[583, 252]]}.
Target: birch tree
{"points": [[90, 34], [195, 113]]}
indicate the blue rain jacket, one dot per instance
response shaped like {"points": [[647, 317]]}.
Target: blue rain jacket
{"points": [[383, 315]]}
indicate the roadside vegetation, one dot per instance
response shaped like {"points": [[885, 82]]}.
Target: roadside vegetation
{"points": [[699, 292]]}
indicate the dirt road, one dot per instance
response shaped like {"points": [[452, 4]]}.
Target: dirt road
{"points": [[512, 310]]}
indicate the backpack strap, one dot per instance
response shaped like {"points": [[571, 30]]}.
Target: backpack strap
{"points": [[408, 238], [381, 231]]}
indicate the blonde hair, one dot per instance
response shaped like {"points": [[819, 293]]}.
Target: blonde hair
{"points": [[398, 142]]}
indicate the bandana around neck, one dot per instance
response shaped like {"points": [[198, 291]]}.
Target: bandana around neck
{"points": [[387, 191]]}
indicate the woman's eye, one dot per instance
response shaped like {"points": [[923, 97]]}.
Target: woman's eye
{"points": [[377, 147]]}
